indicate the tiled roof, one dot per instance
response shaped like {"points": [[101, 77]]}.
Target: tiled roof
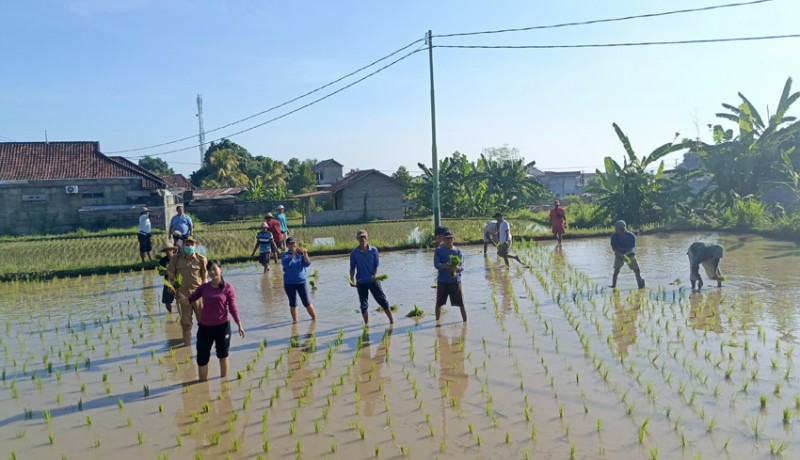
{"points": [[201, 193], [142, 171], [325, 163], [178, 181], [65, 160]]}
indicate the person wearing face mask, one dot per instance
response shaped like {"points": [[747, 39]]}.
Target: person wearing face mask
{"points": [[191, 266]]}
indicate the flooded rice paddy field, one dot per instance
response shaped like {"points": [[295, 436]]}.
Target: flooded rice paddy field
{"points": [[552, 363]]}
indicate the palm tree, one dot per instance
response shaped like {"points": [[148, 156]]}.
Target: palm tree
{"points": [[227, 164]]}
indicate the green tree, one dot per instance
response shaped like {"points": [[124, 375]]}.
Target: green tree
{"points": [[630, 192], [155, 165], [228, 173], [739, 163], [507, 180], [301, 177], [403, 176]]}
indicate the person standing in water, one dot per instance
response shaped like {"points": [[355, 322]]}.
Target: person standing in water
{"points": [[213, 326], [364, 263], [448, 282], [295, 279], [707, 255]]}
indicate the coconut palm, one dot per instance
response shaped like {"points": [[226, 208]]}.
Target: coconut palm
{"points": [[227, 168]]}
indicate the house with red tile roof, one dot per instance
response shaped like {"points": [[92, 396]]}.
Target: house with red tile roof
{"points": [[358, 197], [54, 187]]}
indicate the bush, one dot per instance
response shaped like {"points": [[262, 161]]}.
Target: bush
{"points": [[746, 213]]}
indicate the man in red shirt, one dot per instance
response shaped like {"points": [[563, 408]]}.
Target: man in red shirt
{"points": [[274, 227], [558, 220]]}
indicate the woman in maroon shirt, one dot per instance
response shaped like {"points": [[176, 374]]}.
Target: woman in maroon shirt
{"points": [[213, 327]]}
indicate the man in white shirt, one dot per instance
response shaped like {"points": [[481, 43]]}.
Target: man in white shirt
{"points": [[145, 233], [504, 230]]}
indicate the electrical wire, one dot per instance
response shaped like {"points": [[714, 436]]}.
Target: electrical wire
{"points": [[612, 45], [315, 101], [607, 20], [275, 107]]}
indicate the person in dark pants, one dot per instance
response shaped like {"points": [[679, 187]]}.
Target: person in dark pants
{"points": [[265, 244], [448, 282], [364, 263], [707, 255], [294, 262], [145, 235], [623, 243], [213, 326], [167, 296]]}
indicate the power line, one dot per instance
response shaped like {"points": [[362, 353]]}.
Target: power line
{"points": [[315, 101], [601, 21], [612, 45], [275, 107]]}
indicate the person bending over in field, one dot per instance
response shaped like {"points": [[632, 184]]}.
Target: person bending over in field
{"points": [[489, 235], [707, 255], [623, 243]]}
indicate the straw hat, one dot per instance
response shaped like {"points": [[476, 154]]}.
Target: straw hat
{"points": [[168, 246]]}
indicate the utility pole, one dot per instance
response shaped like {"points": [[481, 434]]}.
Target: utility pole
{"points": [[437, 215], [202, 135]]}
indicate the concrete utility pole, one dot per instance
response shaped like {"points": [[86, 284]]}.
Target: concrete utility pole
{"points": [[202, 134], [437, 215]]}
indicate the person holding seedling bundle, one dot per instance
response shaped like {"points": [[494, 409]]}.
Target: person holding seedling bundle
{"points": [[265, 243], [504, 229], [623, 243], [167, 296], [449, 261], [295, 261], [213, 325], [364, 263], [186, 272], [707, 255]]}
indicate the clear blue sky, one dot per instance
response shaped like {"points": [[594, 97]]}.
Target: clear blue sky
{"points": [[126, 73]]}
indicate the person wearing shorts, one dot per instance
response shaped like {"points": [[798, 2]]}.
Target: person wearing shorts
{"points": [[213, 326], [623, 243], [295, 261], [265, 243], [558, 220], [281, 217], [448, 281], [145, 235], [504, 230], [489, 235], [364, 263], [707, 255]]}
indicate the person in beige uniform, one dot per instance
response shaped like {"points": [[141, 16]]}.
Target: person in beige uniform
{"points": [[192, 268]]}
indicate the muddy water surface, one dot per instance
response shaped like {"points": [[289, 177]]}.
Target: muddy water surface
{"points": [[552, 363]]}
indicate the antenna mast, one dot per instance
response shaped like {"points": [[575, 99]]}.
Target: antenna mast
{"points": [[202, 134]]}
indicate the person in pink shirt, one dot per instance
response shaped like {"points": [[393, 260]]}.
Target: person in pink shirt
{"points": [[213, 326]]}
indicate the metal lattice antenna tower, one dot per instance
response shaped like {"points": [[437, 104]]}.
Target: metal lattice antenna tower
{"points": [[202, 134]]}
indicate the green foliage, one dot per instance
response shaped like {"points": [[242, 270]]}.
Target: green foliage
{"points": [[301, 175], [155, 165], [746, 212], [630, 192]]}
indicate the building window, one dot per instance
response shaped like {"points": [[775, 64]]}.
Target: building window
{"points": [[93, 195], [319, 177]]}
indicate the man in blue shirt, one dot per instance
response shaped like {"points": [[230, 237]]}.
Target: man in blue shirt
{"points": [[265, 243], [181, 223], [364, 263], [623, 243], [448, 282]]}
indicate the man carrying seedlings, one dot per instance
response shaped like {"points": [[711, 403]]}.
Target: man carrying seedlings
{"points": [[707, 255], [504, 229], [623, 243], [265, 243], [145, 235], [167, 296], [191, 267], [449, 261], [284, 229], [181, 223], [364, 263], [558, 220], [489, 235]]}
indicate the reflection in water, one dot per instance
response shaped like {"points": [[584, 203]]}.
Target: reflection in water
{"points": [[704, 311], [370, 370], [453, 379], [625, 314], [300, 374], [498, 276], [268, 289]]}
